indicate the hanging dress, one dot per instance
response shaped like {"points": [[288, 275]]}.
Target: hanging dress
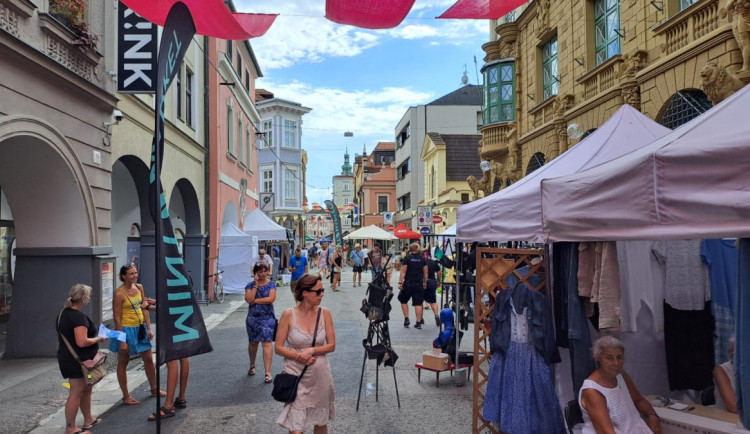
{"points": [[520, 394]]}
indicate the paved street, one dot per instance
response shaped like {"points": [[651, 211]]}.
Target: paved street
{"points": [[222, 398]]}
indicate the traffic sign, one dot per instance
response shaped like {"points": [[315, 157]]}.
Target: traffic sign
{"points": [[436, 219], [390, 228], [425, 230]]}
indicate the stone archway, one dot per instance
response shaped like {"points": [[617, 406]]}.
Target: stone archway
{"points": [[184, 210], [683, 106], [536, 161]]}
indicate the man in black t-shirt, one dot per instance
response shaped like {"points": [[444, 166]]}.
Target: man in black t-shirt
{"points": [[412, 284]]}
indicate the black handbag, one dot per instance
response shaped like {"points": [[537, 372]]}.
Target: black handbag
{"points": [[285, 384]]}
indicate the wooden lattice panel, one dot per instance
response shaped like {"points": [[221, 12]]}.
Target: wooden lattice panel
{"points": [[493, 266]]}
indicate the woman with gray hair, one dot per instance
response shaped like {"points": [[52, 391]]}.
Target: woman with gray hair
{"points": [[609, 400], [81, 333]]}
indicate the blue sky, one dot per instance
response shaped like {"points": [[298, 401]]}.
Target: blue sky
{"points": [[356, 79]]}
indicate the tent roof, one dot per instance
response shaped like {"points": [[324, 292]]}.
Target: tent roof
{"points": [[514, 213], [451, 231], [259, 224], [692, 183], [370, 232], [403, 233]]}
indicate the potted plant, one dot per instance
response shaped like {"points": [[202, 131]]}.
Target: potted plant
{"points": [[71, 14]]}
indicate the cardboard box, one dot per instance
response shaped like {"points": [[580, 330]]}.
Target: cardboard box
{"points": [[438, 362]]}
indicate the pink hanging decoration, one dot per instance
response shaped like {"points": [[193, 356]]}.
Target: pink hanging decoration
{"points": [[211, 17], [481, 9], [368, 14]]}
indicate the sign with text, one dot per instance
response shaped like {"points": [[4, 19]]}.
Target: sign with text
{"points": [[136, 52]]}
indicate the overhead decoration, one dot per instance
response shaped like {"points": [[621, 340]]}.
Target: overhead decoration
{"points": [[481, 9], [211, 17], [368, 14]]}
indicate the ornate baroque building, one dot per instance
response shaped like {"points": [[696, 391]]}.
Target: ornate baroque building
{"points": [[550, 65]]}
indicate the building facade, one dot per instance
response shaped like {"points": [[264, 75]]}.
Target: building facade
{"points": [[562, 68], [458, 112], [280, 162], [343, 193], [375, 183], [448, 159]]}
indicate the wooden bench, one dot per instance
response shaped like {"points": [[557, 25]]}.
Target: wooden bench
{"points": [[451, 368]]}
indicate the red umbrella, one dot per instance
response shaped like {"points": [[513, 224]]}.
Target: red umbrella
{"points": [[406, 234]]}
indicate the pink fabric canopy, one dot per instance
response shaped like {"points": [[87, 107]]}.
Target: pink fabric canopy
{"points": [[368, 14], [481, 9], [211, 17], [692, 183], [514, 213]]}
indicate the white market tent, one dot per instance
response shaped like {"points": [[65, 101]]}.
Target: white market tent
{"points": [[236, 250], [371, 232], [692, 183], [515, 214], [259, 224]]}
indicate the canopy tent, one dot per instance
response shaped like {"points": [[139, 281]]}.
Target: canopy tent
{"points": [[692, 183], [371, 232], [515, 214], [403, 233], [236, 250], [259, 224], [451, 231]]}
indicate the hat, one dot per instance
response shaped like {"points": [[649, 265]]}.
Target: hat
{"points": [[357, 245]]}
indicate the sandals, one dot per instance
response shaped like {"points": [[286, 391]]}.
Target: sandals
{"points": [[93, 424], [251, 371], [129, 400], [165, 413], [180, 403], [160, 392], [268, 379]]}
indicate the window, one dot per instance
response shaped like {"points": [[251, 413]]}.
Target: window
{"points": [[606, 25], [464, 197], [499, 93], [247, 80], [230, 129], [229, 50], [684, 4], [178, 91], [239, 65], [382, 204], [537, 161], [549, 68], [268, 134], [290, 184], [346, 187], [432, 181], [249, 147], [267, 181], [684, 106], [189, 97], [404, 168], [290, 134], [346, 201], [240, 146], [403, 135]]}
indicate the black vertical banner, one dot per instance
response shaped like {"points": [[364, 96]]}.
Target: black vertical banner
{"points": [[181, 331], [336, 222]]}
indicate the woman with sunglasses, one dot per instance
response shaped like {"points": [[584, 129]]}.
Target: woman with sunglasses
{"points": [[261, 318], [315, 394]]}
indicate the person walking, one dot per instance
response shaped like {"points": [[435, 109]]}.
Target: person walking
{"points": [[323, 260], [298, 267], [338, 262], [130, 318], [357, 258], [314, 406], [261, 319], [376, 260], [412, 284], [366, 263], [79, 331]]}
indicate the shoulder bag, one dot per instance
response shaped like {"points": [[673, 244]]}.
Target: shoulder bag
{"points": [[142, 330], [285, 384], [94, 369]]}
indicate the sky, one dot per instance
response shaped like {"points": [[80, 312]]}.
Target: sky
{"points": [[359, 80]]}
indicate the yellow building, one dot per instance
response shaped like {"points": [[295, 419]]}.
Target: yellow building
{"points": [[555, 64], [448, 159]]}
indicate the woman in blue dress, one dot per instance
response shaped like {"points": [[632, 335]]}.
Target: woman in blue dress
{"points": [[261, 319]]}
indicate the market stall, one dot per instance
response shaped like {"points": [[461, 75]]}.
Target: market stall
{"points": [[236, 250]]}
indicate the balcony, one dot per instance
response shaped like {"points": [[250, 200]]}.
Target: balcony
{"points": [[601, 78], [689, 25], [494, 143]]}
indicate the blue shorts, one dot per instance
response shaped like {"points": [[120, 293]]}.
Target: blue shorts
{"points": [[134, 345]]}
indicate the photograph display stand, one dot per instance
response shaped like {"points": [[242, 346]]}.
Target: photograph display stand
{"points": [[493, 266]]}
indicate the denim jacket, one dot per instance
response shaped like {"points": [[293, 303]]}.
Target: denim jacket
{"points": [[541, 327]]}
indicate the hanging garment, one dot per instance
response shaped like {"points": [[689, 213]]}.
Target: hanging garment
{"points": [[721, 258], [520, 394], [599, 279], [686, 283], [688, 341], [642, 281]]}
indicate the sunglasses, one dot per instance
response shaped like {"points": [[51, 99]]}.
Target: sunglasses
{"points": [[317, 292]]}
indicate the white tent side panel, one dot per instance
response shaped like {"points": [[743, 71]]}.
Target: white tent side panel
{"points": [[236, 251]]}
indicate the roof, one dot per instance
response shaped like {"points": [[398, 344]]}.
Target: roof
{"points": [[471, 94], [385, 146], [461, 156]]}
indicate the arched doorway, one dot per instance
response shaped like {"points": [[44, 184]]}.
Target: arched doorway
{"points": [[184, 211], [536, 161], [48, 203]]}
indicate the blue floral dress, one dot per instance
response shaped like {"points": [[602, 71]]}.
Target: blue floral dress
{"points": [[261, 318]]}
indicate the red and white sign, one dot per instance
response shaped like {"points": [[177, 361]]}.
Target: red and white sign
{"points": [[436, 219], [390, 228]]}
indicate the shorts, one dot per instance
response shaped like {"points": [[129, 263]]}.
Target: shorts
{"points": [[293, 284], [414, 291], [357, 268], [430, 294], [135, 346]]}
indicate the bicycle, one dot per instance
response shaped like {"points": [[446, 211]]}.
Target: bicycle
{"points": [[218, 288]]}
